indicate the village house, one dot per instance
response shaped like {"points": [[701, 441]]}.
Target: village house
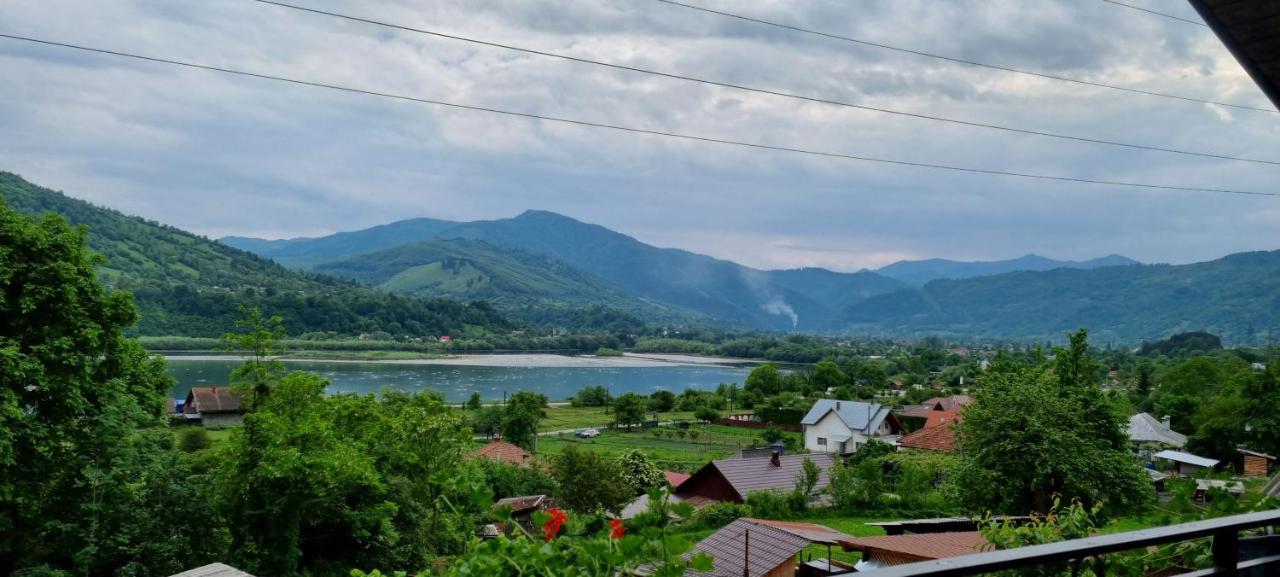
{"points": [[212, 570], [1253, 463], [917, 416], [840, 427], [761, 548], [1186, 463], [214, 407], [1149, 434], [503, 452], [732, 479]]}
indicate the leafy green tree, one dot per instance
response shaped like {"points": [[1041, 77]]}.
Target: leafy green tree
{"points": [[629, 410], [508, 480], [772, 434], [639, 471], [520, 419], [589, 482], [256, 337], [192, 439], [662, 401], [706, 413], [827, 375], [807, 479], [473, 402], [297, 497], [1031, 435], [765, 379], [74, 391], [595, 396]]}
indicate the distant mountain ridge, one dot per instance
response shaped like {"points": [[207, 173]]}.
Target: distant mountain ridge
{"points": [[920, 272]]}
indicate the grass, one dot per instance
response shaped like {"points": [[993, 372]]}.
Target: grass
{"points": [[669, 450], [561, 418], [854, 526]]}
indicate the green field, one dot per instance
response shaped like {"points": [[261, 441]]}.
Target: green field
{"points": [[669, 447], [561, 418]]}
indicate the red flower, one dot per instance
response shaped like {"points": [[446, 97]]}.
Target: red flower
{"points": [[616, 529], [552, 527]]}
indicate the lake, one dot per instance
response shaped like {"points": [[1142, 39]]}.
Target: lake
{"points": [[457, 381]]}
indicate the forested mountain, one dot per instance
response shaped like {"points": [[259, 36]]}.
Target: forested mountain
{"points": [[1237, 297], [188, 285], [308, 252], [920, 272], [526, 284], [670, 279]]}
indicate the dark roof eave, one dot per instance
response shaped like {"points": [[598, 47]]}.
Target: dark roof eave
{"points": [[1270, 86]]}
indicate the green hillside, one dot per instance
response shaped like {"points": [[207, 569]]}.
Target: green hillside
{"points": [[309, 252], [920, 272], [185, 284], [1237, 297], [532, 287]]}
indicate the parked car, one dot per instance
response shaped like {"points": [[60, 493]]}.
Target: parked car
{"points": [[587, 433]]}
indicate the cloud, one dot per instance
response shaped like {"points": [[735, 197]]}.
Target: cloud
{"points": [[225, 155]]}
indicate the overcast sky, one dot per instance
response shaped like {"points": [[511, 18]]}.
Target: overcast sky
{"points": [[220, 155]]}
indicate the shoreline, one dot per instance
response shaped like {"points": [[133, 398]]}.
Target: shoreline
{"points": [[526, 360]]}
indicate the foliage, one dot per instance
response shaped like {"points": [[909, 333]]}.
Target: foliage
{"points": [[192, 439], [594, 396], [508, 480], [1031, 434], [872, 449], [589, 482], [520, 418], [706, 413], [662, 401], [1182, 345], [608, 352], [74, 395], [473, 402], [772, 434], [765, 379], [629, 409], [717, 515], [807, 479], [639, 472]]}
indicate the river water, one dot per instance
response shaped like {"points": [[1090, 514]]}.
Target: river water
{"points": [[458, 381]]}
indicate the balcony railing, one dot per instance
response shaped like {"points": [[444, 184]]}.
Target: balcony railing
{"points": [[1260, 556]]}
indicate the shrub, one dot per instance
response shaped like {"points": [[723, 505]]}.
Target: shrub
{"points": [[608, 352], [717, 515], [192, 439]]}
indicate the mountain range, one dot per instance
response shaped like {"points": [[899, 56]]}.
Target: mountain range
{"points": [[541, 268]]}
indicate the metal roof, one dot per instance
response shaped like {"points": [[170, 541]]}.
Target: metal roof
{"points": [[856, 415], [1144, 428], [732, 549], [213, 570], [899, 549], [1180, 457], [747, 475]]}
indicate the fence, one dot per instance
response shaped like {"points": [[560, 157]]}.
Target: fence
{"points": [[756, 425]]}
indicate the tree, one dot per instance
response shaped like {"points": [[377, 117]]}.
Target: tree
{"points": [[706, 413], [772, 434], [662, 401], [595, 396], [827, 375], [192, 439], [589, 482], [1031, 435], [639, 472], [74, 392], [807, 479], [629, 410], [765, 379], [256, 337], [473, 402], [520, 419]]}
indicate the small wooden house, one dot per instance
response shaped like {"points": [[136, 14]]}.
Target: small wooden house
{"points": [[215, 407], [1255, 464]]}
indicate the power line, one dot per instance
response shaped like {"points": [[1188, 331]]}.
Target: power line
{"points": [[765, 91], [1153, 12], [629, 129], [962, 60]]}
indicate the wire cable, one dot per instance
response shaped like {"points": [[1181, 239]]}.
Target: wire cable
{"points": [[765, 91], [1153, 12], [963, 60], [627, 129]]}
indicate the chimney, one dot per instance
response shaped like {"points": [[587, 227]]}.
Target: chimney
{"points": [[1165, 421], [837, 405], [774, 458]]}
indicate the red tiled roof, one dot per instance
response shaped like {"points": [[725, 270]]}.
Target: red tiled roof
{"points": [[674, 478], [942, 418], [899, 549], [941, 438], [503, 452], [211, 400]]}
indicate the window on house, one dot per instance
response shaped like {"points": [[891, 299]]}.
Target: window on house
{"points": [[822, 441]]}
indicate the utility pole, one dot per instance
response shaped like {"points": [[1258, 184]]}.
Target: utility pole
{"points": [[746, 553]]}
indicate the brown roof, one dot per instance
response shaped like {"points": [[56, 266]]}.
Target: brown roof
{"points": [[941, 438], [503, 452], [211, 400], [759, 474], [674, 478], [1248, 29], [813, 532], [942, 418], [520, 505], [900, 549], [950, 403], [769, 547], [918, 411]]}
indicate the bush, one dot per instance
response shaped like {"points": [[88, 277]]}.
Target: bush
{"points": [[717, 515], [192, 439], [608, 352]]}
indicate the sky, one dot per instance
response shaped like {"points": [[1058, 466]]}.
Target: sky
{"points": [[226, 155]]}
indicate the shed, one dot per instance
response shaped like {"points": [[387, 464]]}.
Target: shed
{"points": [[1187, 464], [761, 548], [216, 407], [1255, 464]]}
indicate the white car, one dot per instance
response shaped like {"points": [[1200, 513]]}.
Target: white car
{"points": [[587, 433]]}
